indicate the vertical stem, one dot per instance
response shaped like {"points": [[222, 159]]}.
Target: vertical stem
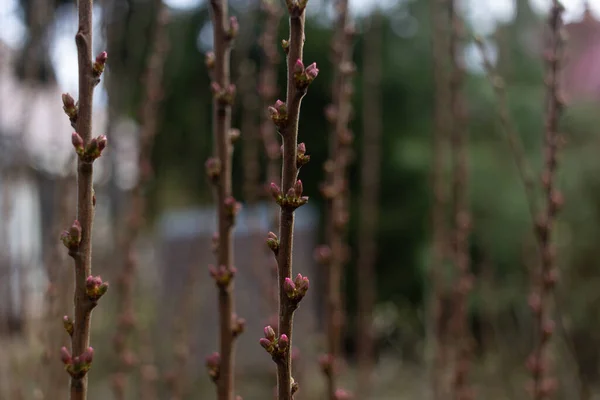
{"points": [[85, 210], [149, 113], [223, 150], [543, 386], [340, 153], [369, 202], [462, 216]]}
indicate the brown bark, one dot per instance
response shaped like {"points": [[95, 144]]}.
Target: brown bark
{"points": [[223, 151], [83, 305]]}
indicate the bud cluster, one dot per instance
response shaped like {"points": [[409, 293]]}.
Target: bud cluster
{"points": [[293, 198], [225, 96], [95, 288], [78, 366], [92, 151], [304, 76], [301, 157], [276, 347], [72, 237], [222, 275], [296, 289]]}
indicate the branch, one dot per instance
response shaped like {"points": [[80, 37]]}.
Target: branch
{"points": [[149, 119], [543, 386], [219, 170], [335, 189], [289, 197], [78, 239]]}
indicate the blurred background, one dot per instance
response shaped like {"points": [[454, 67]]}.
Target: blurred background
{"points": [[171, 318]]}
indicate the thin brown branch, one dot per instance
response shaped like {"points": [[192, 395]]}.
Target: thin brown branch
{"points": [[149, 119], [224, 31], [543, 386], [369, 202], [78, 238], [336, 188], [289, 197]]}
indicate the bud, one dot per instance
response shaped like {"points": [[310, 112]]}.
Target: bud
{"points": [[275, 191], [237, 325], [312, 71], [298, 67], [289, 288], [102, 141], [234, 135], [68, 101], [301, 149], [99, 64], [283, 342], [302, 284], [65, 356], [222, 275], [68, 325], [95, 288], [72, 237], [266, 344], [273, 242], [213, 169], [285, 44], [269, 333], [77, 142], [232, 207], [298, 188], [209, 60], [213, 365], [87, 356], [234, 27]]}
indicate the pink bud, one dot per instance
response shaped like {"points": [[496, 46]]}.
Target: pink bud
{"points": [[87, 356], [301, 149], [275, 190], [214, 360], [281, 107], [102, 141], [283, 342], [288, 286], [265, 343], [77, 141], [234, 26], [298, 188], [298, 67], [75, 231], [65, 356], [90, 282], [269, 332], [272, 111], [312, 71], [68, 101], [102, 57]]}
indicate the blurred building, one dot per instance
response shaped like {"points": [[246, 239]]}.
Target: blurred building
{"points": [[35, 149], [186, 240]]}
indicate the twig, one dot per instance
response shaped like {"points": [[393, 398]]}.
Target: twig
{"points": [[149, 116], [289, 197], [335, 190], [78, 239], [543, 386], [219, 170]]}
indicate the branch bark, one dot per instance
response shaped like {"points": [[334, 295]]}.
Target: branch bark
{"points": [[224, 31]]}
